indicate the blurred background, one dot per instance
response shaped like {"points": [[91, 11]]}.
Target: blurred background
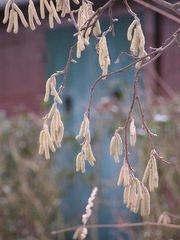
{"points": [[39, 196]]}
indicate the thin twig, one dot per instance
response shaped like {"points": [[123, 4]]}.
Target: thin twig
{"points": [[124, 225], [158, 10]]}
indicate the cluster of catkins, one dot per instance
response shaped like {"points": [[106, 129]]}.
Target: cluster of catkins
{"points": [[136, 37], [86, 151], [85, 12], [136, 194], [116, 144], [51, 136], [12, 12], [86, 27]]}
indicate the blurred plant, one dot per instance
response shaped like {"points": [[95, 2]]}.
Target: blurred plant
{"points": [[29, 197], [166, 124]]}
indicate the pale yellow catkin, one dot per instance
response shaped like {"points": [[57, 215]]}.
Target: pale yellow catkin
{"points": [[34, 12], [51, 89], [54, 12], [135, 43], [145, 202], [47, 5], [151, 172], [130, 30], [85, 12], [11, 21], [124, 175], [42, 9], [30, 17], [104, 59], [16, 27], [86, 151], [57, 126], [76, 1], [7, 11], [51, 21], [116, 146], [80, 163], [63, 6], [164, 218], [132, 132], [21, 15], [45, 142]]}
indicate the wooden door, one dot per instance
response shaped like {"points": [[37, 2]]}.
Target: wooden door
{"points": [[75, 186]]}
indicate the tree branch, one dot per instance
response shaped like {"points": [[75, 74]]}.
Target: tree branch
{"points": [[175, 7], [158, 10], [124, 225]]}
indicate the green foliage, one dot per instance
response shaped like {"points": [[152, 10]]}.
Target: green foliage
{"points": [[28, 198]]}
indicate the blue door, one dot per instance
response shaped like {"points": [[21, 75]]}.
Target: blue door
{"points": [[75, 187]]}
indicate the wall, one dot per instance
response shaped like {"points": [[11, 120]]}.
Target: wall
{"points": [[21, 70]]}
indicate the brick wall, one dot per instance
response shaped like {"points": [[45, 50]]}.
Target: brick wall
{"points": [[21, 70]]}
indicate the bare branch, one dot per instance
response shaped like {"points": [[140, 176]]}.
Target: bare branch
{"points": [[158, 10], [124, 225], [175, 7]]}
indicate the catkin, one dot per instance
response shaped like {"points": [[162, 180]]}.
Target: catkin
{"points": [[45, 142], [164, 218], [132, 128], [116, 146], [124, 175], [32, 15], [130, 30], [86, 151], [54, 12], [104, 59], [7, 11], [85, 12], [63, 6], [15, 23], [42, 9], [151, 172], [57, 128], [51, 89], [12, 15], [136, 37], [11, 21], [21, 15], [145, 202]]}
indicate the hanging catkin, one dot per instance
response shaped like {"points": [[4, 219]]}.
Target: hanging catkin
{"points": [[85, 12], [104, 59], [132, 129], [136, 37], [116, 146], [11, 14], [32, 15], [151, 172], [86, 151]]}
